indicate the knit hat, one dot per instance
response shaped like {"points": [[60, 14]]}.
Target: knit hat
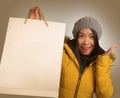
{"points": [[87, 22]]}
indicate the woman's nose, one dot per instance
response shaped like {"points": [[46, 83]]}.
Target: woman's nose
{"points": [[86, 41]]}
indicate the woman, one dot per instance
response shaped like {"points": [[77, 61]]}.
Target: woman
{"points": [[85, 65]]}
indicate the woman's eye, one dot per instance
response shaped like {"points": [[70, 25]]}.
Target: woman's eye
{"points": [[80, 36], [91, 36]]}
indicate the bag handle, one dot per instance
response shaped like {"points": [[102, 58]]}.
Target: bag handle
{"points": [[40, 15]]}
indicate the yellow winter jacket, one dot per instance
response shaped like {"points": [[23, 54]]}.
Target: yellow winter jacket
{"points": [[95, 78]]}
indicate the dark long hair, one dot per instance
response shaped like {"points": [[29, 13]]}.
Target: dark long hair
{"points": [[87, 59]]}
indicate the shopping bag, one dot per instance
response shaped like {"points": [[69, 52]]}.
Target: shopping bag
{"points": [[31, 58]]}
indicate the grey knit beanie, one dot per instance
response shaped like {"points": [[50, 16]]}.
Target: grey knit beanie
{"points": [[87, 22]]}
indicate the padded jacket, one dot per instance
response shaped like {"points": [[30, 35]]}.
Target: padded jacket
{"points": [[95, 78]]}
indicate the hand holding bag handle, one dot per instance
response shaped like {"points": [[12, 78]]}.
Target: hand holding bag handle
{"points": [[35, 13]]}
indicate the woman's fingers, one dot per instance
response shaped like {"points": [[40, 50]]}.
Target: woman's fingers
{"points": [[37, 13], [31, 14], [34, 13], [111, 49]]}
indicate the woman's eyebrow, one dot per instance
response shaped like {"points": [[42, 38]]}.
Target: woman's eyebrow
{"points": [[91, 34], [81, 33]]}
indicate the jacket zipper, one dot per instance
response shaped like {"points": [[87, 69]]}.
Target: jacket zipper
{"points": [[77, 87], [78, 84]]}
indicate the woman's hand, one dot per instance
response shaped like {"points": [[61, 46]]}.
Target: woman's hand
{"points": [[111, 49], [34, 13]]}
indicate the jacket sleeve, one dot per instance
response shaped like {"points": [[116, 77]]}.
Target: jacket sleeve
{"points": [[104, 87]]}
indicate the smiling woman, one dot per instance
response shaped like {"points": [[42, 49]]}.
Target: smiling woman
{"points": [[68, 11], [84, 60]]}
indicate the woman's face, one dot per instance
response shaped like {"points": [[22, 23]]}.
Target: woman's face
{"points": [[86, 41]]}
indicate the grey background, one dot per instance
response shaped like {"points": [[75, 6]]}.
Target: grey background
{"points": [[69, 11]]}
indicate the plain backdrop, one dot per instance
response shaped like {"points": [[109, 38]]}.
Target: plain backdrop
{"points": [[69, 11]]}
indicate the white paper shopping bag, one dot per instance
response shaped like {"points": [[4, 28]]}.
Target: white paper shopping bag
{"points": [[31, 58]]}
